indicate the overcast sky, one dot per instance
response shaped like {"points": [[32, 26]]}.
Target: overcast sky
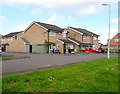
{"points": [[16, 15]]}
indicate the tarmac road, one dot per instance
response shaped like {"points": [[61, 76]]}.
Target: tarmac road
{"points": [[23, 62]]}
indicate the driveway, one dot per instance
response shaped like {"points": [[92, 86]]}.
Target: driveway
{"points": [[19, 64]]}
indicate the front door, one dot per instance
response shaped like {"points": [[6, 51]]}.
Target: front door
{"points": [[71, 48], [30, 49], [64, 48]]}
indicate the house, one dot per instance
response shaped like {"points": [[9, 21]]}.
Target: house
{"points": [[33, 38], [0, 43], [7, 39], [37, 36], [115, 42], [80, 38]]}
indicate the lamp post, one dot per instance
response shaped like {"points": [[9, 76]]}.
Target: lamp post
{"points": [[108, 41]]}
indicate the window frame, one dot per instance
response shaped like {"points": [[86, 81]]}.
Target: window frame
{"points": [[52, 33]]}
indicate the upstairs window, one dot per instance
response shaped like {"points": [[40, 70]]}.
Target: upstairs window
{"points": [[116, 40], [84, 37], [64, 34], [52, 33], [94, 38]]}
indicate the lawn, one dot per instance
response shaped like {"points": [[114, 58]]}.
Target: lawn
{"points": [[94, 76], [7, 55]]}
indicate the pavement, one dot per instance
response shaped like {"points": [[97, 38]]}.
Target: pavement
{"points": [[23, 62]]}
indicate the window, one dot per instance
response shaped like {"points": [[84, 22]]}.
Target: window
{"points": [[8, 39], [52, 47], [87, 37], [84, 37], [52, 33], [64, 34], [11, 38], [94, 38], [116, 40], [44, 31], [58, 46]]}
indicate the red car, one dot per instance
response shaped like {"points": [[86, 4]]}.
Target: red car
{"points": [[92, 50]]}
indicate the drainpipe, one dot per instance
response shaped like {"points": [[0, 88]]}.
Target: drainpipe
{"points": [[67, 35], [92, 39], [48, 40], [82, 38]]}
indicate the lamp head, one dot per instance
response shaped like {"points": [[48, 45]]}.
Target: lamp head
{"points": [[104, 4]]}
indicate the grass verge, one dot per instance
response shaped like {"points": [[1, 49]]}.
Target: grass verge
{"points": [[7, 55], [94, 76]]}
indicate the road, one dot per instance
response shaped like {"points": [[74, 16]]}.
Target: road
{"points": [[32, 62]]}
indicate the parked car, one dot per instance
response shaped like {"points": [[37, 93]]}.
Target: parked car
{"points": [[92, 50]]}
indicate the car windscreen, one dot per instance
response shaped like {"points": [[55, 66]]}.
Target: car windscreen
{"points": [[93, 48]]}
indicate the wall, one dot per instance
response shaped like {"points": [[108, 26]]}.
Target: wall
{"points": [[16, 46], [112, 42], [7, 40], [35, 34], [77, 48], [88, 39], [61, 49], [74, 34], [112, 48]]}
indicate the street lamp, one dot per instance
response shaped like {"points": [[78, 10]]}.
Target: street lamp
{"points": [[108, 41]]}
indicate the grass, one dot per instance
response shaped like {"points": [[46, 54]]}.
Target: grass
{"points": [[7, 55], [94, 76]]}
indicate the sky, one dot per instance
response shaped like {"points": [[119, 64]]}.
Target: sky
{"points": [[17, 15]]}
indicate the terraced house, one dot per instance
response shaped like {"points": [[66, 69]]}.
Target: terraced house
{"points": [[37, 36]]}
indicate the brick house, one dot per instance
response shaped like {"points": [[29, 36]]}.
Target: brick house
{"points": [[7, 39], [0, 43], [81, 38], [115, 42], [35, 36]]}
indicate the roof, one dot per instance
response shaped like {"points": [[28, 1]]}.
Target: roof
{"points": [[11, 34], [51, 27], [75, 41], [65, 40], [79, 42], [84, 31], [25, 40]]}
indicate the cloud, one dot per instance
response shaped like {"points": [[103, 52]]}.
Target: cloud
{"points": [[36, 11], [52, 19], [20, 27], [104, 34], [45, 1], [89, 10], [114, 20], [2, 17], [50, 4], [2, 22]]}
